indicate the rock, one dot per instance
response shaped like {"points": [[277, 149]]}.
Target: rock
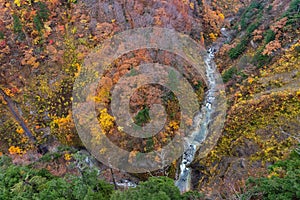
{"points": [[253, 44]]}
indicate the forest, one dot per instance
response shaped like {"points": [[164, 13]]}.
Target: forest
{"points": [[156, 99]]}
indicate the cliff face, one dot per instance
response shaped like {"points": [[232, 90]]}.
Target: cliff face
{"points": [[135, 14], [200, 19]]}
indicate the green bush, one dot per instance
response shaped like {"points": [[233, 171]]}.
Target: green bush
{"points": [[142, 117], [156, 188], [251, 28], [270, 7], [23, 182], [41, 16], [252, 14], [38, 23], [43, 11], [18, 27], [1, 35], [283, 182], [293, 8], [260, 60], [293, 14], [239, 49], [17, 24], [228, 74], [269, 36], [252, 10]]}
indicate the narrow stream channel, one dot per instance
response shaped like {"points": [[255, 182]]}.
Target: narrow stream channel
{"points": [[203, 118]]}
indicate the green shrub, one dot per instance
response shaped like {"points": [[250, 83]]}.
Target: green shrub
{"points": [[150, 144], [142, 117], [283, 182], [293, 8], [260, 60], [252, 10], [156, 188], [297, 49], [38, 24], [293, 14], [228, 74], [43, 12], [41, 16], [251, 28], [270, 7], [252, 13], [23, 182], [1, 35], [269, 36], [17, 24], [239, 49]]}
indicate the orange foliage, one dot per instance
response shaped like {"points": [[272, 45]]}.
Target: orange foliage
{"points": [[275, 45], [106, 120], [212, 20], [272, 47], [213, 36], [20, 131], [16, 150], [222, 17], [8, 92], [257, 35], [67, 157], [277, 26], [202, 38], [64, 129], [29, 59]]}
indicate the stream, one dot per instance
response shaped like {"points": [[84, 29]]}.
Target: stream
{"points": [[202, 120]]}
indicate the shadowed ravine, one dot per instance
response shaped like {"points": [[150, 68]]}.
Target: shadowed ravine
{"points": [[202, 119]]}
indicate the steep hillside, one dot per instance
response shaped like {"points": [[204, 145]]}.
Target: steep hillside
{"points": [[261, 70]]}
